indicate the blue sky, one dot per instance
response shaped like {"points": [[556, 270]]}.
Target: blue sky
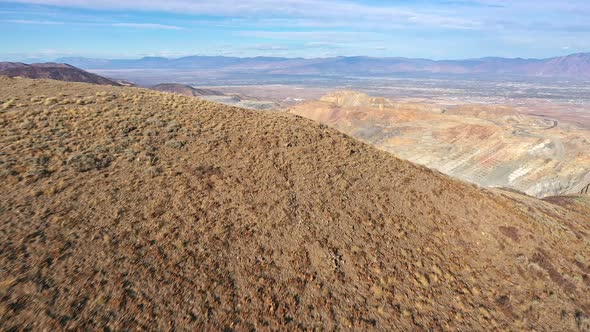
{"points": [[450, 29]]}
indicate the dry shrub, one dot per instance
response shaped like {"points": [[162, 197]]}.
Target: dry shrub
{"points": [[8, 104], [38, 99], [50, 101], [85, 162]]}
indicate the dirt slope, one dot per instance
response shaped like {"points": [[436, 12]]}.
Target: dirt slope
{"points": [[126, 209]]}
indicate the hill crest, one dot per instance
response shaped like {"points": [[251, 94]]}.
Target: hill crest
{"points": [[139, 209], [50, 70]]}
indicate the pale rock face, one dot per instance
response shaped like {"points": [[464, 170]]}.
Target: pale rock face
{"points": [[522, 171], [355, 99]]}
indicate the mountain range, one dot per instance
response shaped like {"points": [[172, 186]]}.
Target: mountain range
{"points": [[574, 66]]}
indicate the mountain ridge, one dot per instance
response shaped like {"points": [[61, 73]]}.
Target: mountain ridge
{"points": [[570, 66], [52, 70]]}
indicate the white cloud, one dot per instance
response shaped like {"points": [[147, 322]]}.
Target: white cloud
{"points": [[32, 22], [268, 47], [454, 28], [147, 26], [121, 25], [311, 12], [316, 37], [463, 14]]}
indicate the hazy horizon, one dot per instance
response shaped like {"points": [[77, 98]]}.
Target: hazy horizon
{"points": [[140, 57]]}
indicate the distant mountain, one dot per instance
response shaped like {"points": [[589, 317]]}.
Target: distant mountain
{"points": [[54, 71], [185, 90], [571, 66], [10, 65]]}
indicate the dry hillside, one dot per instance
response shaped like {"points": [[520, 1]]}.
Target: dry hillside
{"points": [[54, 71], [126, 209]]}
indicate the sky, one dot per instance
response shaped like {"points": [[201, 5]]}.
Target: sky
{"points": [[435, 29]]}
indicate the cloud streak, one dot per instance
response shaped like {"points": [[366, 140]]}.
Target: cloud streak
{"points": [[425, 28], [155, 26], [459, 15], [314, 11], [34, 22]]}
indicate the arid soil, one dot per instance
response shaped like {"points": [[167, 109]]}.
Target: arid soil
{"points": [[490, 145], [125, 209]]}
